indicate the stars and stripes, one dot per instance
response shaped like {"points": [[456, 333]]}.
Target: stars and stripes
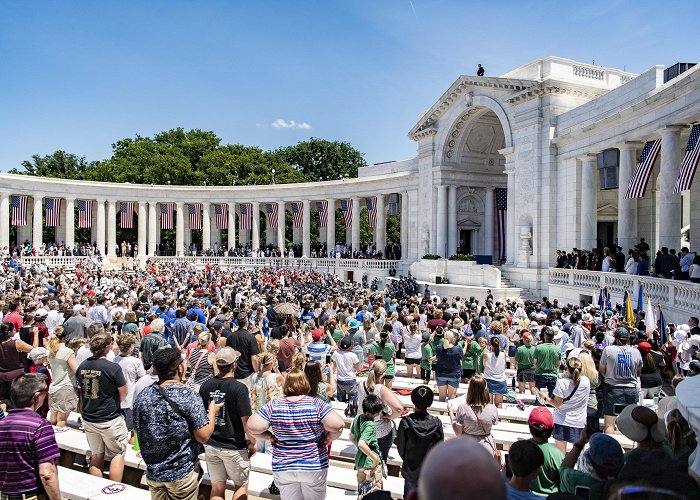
{"points": [[246, 221], [84, 213], [690, 161], [221, 212], [53, 211], [372, 210], [19, 210], [638, 183], [194, 212], [272, 214], [166, 215], [298, 213], [501, 197], [322, 209], [126, 214], [346, 207]]}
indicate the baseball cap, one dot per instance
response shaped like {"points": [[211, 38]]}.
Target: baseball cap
{"points": [[317, 334], [40, 313], [227, 356], [346, 343], [78, 307], [541, 419], [644, 346], [606, 452], [37, 352], [622, 332], [217, 324]]}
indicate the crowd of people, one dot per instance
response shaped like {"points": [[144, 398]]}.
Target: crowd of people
{"points": [[229, 363]]}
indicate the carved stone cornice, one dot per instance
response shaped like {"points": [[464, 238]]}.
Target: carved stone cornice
{"points": [[534, 93]]}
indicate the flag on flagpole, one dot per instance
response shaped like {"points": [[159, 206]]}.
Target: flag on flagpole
{"points": [[195, 215], [84, 213], [346, 207], [604, 301], [663, 335], [640, 298], [126, 214], [53, 212], [322, 209], [501, 196], [272, 214], [649, 316], [690, 161], [628, 312], [372, 210], [166, 215], [221, 212], [298, 213], [640, 178], [19, 210], [246, 221]]}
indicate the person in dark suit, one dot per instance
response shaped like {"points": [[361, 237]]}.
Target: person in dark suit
{"points": [[480, 70]]}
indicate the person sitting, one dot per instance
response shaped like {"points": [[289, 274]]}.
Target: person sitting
{"points": [[606, 458], [524, 459], [541, 424]]}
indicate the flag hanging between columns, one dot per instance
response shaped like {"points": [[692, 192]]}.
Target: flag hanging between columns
{"points": [[690, 161], [194, 211], [501, 196], [271, 211], [372, 210], [322, 209], [53, 211], [346, 207], [166, 215], [663, 336], [638, 183], [126, 214], [298, 213], [246, 221], [19, 210], [221, 211], [84, 213]]}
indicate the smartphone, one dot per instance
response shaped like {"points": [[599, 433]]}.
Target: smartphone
{"points": [[583, 492]]}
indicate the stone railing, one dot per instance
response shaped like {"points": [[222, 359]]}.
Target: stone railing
{"points": [[300, 263], [55, 261], [588, 72]]}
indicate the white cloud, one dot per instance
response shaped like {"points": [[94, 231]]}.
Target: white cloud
{"points": [[282, 123]]}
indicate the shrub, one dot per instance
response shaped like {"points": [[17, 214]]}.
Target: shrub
{"points": [[431, 256], [461, 257]]}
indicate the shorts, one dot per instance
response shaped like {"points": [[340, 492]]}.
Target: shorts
{"points": [[613, 396], [412, 361], [185, 488], [225, 463], [511, 351], [468, 373], [451, 381], [128, 414], [425, 373], [373, 475], [112, 436], [566, 433], [388, 377], [63, 400], [497, 386], [526, 375]]}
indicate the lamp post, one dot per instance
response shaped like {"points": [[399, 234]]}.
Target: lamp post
{"points": [[273, 175]]}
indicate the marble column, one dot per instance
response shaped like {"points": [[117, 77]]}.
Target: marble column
{"points": [[100, 237], [255, 237], [152, 224], [231, 231], [180, 229], [589, 200], [111, 228], [626, 209], [37, 222], [669, 211], [142, 228], [404, 225], [380, 230], [489, 221], [206, 226], [441, 241], [511, 236], [4, 221], [330, 227], [70, 223], [281, 238], [451, 221], [306, 229], [355, 224]]}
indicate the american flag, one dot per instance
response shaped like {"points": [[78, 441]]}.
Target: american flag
{"points": [[53, 211], [690, 161], [84, 213], [194, 211], [126, 214], [19, 210], [638, 183], [221, 211], [271, 210], [501, 195], [166, 215], [246, 221], [372, 210], [346, 207], [322, 209], [298, 213]]}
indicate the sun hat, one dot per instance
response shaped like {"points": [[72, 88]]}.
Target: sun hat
{"points": [[541, 419], [227, 356], [639, 423], [354, 324]]}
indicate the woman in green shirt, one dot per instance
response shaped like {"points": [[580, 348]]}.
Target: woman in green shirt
{"points": [[385, 349], [525, 364], [470, 361]]}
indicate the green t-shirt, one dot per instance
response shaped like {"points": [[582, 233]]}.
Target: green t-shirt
{"points": [[434, 342], [548, 358], [426, 353], [547, 481], [480, 357], [571, 478], [363, 429], [387, 354], [470, 359], [525, 357]]}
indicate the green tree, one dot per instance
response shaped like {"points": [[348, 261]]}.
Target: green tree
{"points": [[236, 164], [193, 144], [322, 160], [59, 164]]}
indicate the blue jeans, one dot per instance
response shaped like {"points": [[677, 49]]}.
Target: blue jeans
{"points": [[346, 390]]}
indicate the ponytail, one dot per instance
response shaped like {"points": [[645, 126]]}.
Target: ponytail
{"points": [[375, 374], [496, 345], [574, 366], [54, 343]]}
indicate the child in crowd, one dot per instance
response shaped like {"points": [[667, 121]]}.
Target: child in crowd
{"points": [[524, 459], [363, 433], [427, 358], [39, 356]]}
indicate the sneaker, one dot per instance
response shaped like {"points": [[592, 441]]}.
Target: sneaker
{"points": [[520, 405]]}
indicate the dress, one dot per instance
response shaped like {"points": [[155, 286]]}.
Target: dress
{"points": [[477, 421]]}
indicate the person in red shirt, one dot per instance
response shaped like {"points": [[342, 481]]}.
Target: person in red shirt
{"points": [[15, 315], [288, 347]]}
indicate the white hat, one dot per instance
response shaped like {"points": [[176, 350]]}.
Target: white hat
{"points": [[78, 307]]}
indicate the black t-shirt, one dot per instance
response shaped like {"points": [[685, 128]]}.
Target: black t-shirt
{"points": [[651, 377], [244, 342], [99, 381], [229, 431]]}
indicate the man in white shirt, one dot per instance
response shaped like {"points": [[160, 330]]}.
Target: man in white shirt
{"points": [[347, 365], [84, 352], [54, 318]]}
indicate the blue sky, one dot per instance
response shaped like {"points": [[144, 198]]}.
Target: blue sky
{"points": [[79, 75]]}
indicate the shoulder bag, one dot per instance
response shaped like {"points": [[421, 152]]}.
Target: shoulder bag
{"points": [[190, 380], [496, 451]]}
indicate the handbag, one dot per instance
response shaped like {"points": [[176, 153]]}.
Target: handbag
{"points": [[189, 383], [496, 451]]}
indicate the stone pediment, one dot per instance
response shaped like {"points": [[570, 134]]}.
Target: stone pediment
{"points": [[468, 222], [607, 210]]}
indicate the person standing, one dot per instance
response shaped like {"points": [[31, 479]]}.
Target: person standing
{"points": [[245, 343], [347, 366], [547, 360], [62, 397], [28, 444]]}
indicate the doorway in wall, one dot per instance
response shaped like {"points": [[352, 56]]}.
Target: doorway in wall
{"points": [[465, 242], [607, 231]]}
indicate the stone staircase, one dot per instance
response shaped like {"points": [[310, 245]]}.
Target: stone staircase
{"points": [[525, 293]]}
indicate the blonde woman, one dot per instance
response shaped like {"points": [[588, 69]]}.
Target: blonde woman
{"points": [[201, 360], [267, 383], [62, 397], [588, 369], [448, 369]]}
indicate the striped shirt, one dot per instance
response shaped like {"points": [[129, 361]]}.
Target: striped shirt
{"points": [[318, 350], [298, 429], [26, 440]]}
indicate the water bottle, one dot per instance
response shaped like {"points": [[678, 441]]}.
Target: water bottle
{"points": [[136, 443]]}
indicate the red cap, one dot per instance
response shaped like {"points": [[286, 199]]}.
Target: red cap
{"points": [[541, 418], [644, 346], [318, 334]]}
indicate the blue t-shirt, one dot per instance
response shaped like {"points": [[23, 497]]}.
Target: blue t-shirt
{"points": [[514, 494], [449, 361]]}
